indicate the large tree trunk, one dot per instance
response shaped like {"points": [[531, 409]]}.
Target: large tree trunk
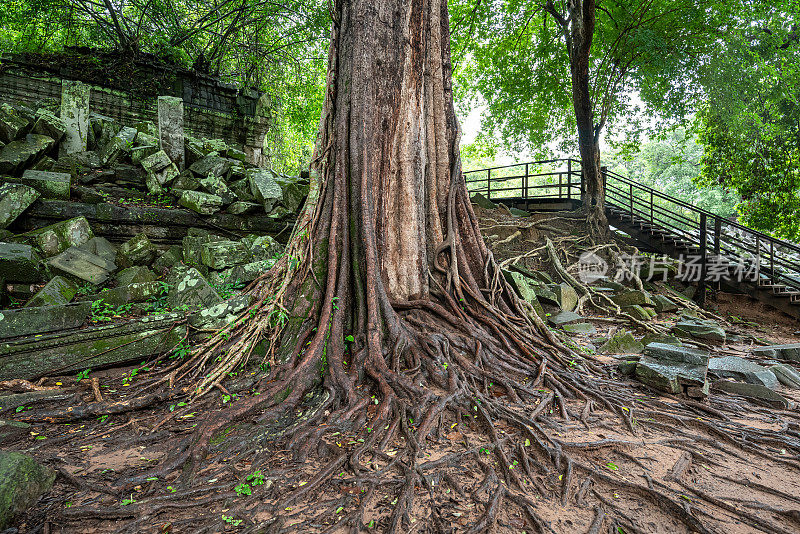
{"points": [[405, 380], [580, 45], [387, 292], [389, 141]]}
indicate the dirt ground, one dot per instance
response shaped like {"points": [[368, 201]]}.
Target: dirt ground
{"points": [[775, 326], [662, 464]]}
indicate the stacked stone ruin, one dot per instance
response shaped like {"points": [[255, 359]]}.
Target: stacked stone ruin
{"points": [[123, 241]]}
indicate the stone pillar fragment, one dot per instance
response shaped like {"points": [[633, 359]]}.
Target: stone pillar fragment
{"points": [[75, 115], [170, 128]]}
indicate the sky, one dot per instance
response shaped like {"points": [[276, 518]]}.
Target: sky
{"points": [[471, 126]]}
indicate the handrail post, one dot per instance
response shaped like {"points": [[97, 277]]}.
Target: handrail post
{"points": [[772, 260], [525, 184], [652, 217], [758, 253], [630, 193], [717, 234], [569, 179], [603, 175], [701, 286], [489, 184]]}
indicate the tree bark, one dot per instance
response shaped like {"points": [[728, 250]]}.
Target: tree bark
{"points": [[390, 139], [578, 27], [593, 190], [386, 292]]}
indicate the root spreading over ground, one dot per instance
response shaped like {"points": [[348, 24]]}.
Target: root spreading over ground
{"points": [[387, 379], [473, 421]]}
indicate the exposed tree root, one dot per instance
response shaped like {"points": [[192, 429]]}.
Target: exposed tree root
{"points": [[400, 378]]}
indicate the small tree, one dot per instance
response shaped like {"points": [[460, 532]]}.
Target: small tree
{"points": [[550, 69]]}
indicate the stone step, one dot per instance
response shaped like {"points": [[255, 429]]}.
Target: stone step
{"points": [[119, 223], [29, 321], [95, 347]]}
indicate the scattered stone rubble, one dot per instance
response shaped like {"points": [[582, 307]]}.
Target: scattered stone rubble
{"points": [[79, 294], [683, 362]]}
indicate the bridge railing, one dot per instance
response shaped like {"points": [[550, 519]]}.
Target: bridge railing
{"points": [[553, 178], [716, 241], [719, 243]]}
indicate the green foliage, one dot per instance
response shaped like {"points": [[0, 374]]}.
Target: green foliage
{"points": [[231, 520], [158, 302], [82, 375], [672, 165], [228, 288], [134, 372], [278, 48], [178, 405], [750, 124], [103, 312], [484, 152], [181, 350], [85, 288], [243, 489], [254, 479], [512, 55]]}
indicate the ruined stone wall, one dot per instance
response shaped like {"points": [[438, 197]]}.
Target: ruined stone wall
{"points": [[212, 109]]}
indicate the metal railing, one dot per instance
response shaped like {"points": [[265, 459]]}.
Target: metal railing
{"points": [[718, 241], [554, 178]]}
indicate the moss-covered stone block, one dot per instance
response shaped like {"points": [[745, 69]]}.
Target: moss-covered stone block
{"points": [[190, 289], [137, 292], [215, 186], [244, 273], [699, 329], [22, 482], [135, 275], [20, 263], [622, 343], [202, 203], [172, 256], [14, 200], [56, 292], [18, 155], [47, 123], [524, 288], [27, 321], [82, 265], [138, 250], [220, 255], [93, 347], [13, 123], [633, 298], [219, 315], [211, 165], [265, 188], [58, 237]]}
